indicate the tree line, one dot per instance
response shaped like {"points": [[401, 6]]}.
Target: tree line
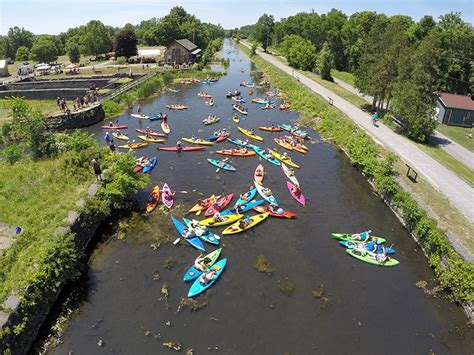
{"points": [[400, 62], [96, 38]]}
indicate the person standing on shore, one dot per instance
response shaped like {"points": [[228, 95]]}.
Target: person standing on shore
{"points": [[112, 146], [97, 170]]}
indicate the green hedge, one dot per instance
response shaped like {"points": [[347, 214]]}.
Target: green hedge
{"points": [[452, 271]]}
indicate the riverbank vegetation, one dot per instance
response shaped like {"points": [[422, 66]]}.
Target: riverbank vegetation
{"points": [[397, 61], [452, 271], [42, 176]]}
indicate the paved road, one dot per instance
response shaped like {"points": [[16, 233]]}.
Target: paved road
{"points": [[456, 150], [456, 190]]}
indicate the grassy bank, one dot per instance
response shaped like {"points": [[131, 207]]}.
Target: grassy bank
{"points": [[344, 76], [48, 107], [458, 134], [452, 271]]}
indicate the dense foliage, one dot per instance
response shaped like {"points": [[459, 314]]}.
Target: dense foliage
{"points": [[125, 44], [299, 52], [452, 271], [74, 53]]}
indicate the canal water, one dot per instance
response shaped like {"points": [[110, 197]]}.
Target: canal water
{"points": [[318, 300]]}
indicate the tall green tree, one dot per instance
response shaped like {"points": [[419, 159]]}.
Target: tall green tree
{"points": [[44, 50], [16, 38], [74, 53], [96, 38], [300, 53], [22, 53], [263, 31], [125, 44], [325, 62]]}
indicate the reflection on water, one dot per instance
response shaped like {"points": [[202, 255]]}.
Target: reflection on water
{"points": [[310, 298]]}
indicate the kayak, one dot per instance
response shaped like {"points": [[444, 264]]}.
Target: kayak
{"points": [[153, 199], [211, 120], [150, 165], [133, 146], [284, 107], [290, 128], [236, 119], [182, 149], [192, 273], [139, 115], [244, 207], [218, 205], [259, 174], [290, 176], [221, 165], [156, 117], [150, 133], [283, 214], [151, 140], [206, 236], [241, 110], [205, 204], [121, 136], [195, 241], [287, 160], [267, 195], [254, 220], [238, 99], [230, 218], [270, 129], [223, 137], [166, 192], [300, 198], [260, 101], [114, 127], [351, 237], [268, 107], [204, 95], [197, 141], [300, 148], [236, 152], [238, 142], [211, 102], [267, 157], [177, 107], [250, 134], [283, 144], [249, 195], [139, 163], [370, 257], [197, 287], [361, 245], [165, 127]]}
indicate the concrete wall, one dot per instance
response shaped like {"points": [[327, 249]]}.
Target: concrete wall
{"points": [[46, 94], [83, 118], [58, 84]]}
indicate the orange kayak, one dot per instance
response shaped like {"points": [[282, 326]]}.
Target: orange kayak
{"points": [[283, 144], [236, 152], [204, 205], [153, 199]]}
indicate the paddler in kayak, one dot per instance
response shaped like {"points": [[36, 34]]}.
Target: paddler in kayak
{"points": [[188, 233], [296, 191], [217, 217], [245, 196], [201, 263], [207, 276], [267, 192], [275, 209], [179, 146], [364, 236]]}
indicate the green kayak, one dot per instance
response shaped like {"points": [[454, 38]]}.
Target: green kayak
{"points": [[351, 238], [370, 258]]}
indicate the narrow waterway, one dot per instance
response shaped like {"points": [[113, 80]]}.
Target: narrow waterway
{"points": [[357, 307]]}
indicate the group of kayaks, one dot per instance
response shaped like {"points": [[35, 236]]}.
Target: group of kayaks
{"points": [[367, 248], [167, 197]]}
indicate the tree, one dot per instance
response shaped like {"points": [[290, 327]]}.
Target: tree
{"points": [[300, 53], [125, 44], [263, 31], [22, 54], [325, 62], [44, 50], [73, 53], [16, 38], [96, 38]]}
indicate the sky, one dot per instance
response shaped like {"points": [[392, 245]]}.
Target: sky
{"points": [[53, 16]]}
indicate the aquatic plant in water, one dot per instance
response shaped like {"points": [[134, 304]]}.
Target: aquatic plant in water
{"points": [[262, 265]]}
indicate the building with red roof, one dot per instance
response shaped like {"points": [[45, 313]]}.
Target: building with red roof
{"points": [[455, 110]]}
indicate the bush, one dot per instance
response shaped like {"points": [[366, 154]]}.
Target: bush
{"points": [[121, 60]]}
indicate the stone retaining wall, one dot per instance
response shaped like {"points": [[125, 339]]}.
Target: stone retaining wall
{"points": [[57, 84], [78, 119]]}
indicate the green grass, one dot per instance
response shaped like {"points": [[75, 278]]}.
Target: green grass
{"points": [[37, 196], [47, 107], [458, 134], [344, 76]]}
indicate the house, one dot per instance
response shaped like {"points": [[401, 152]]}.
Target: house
{"points": [[455, 110], [181, 51], [3, 68]]}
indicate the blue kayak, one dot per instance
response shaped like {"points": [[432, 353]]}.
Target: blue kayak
{"points": [[209, 237], [265, 156], [242, 143], [222, 165], [368, 246], [150, 165], [251, 194], [155, 117], [243, 207], [195, 242], [197, 287], [192, 273]]}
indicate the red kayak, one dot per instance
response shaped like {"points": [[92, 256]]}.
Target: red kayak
{"points": [[140, 164], [114, 127], [182, 149], [265, 209], [218, 205], [151, 133], [223, 137]]}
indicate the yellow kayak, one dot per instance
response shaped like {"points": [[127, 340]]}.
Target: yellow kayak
{"points": [[236, 119], [197, 141], [121, 136], [133, 146], [230, 218], [286, 160], [151, 140], [254, 220], [250, 134], [283, 144]]}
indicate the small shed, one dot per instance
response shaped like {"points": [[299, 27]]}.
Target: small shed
{"points": [[3, 68], [181, 51], [455, 110]]}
